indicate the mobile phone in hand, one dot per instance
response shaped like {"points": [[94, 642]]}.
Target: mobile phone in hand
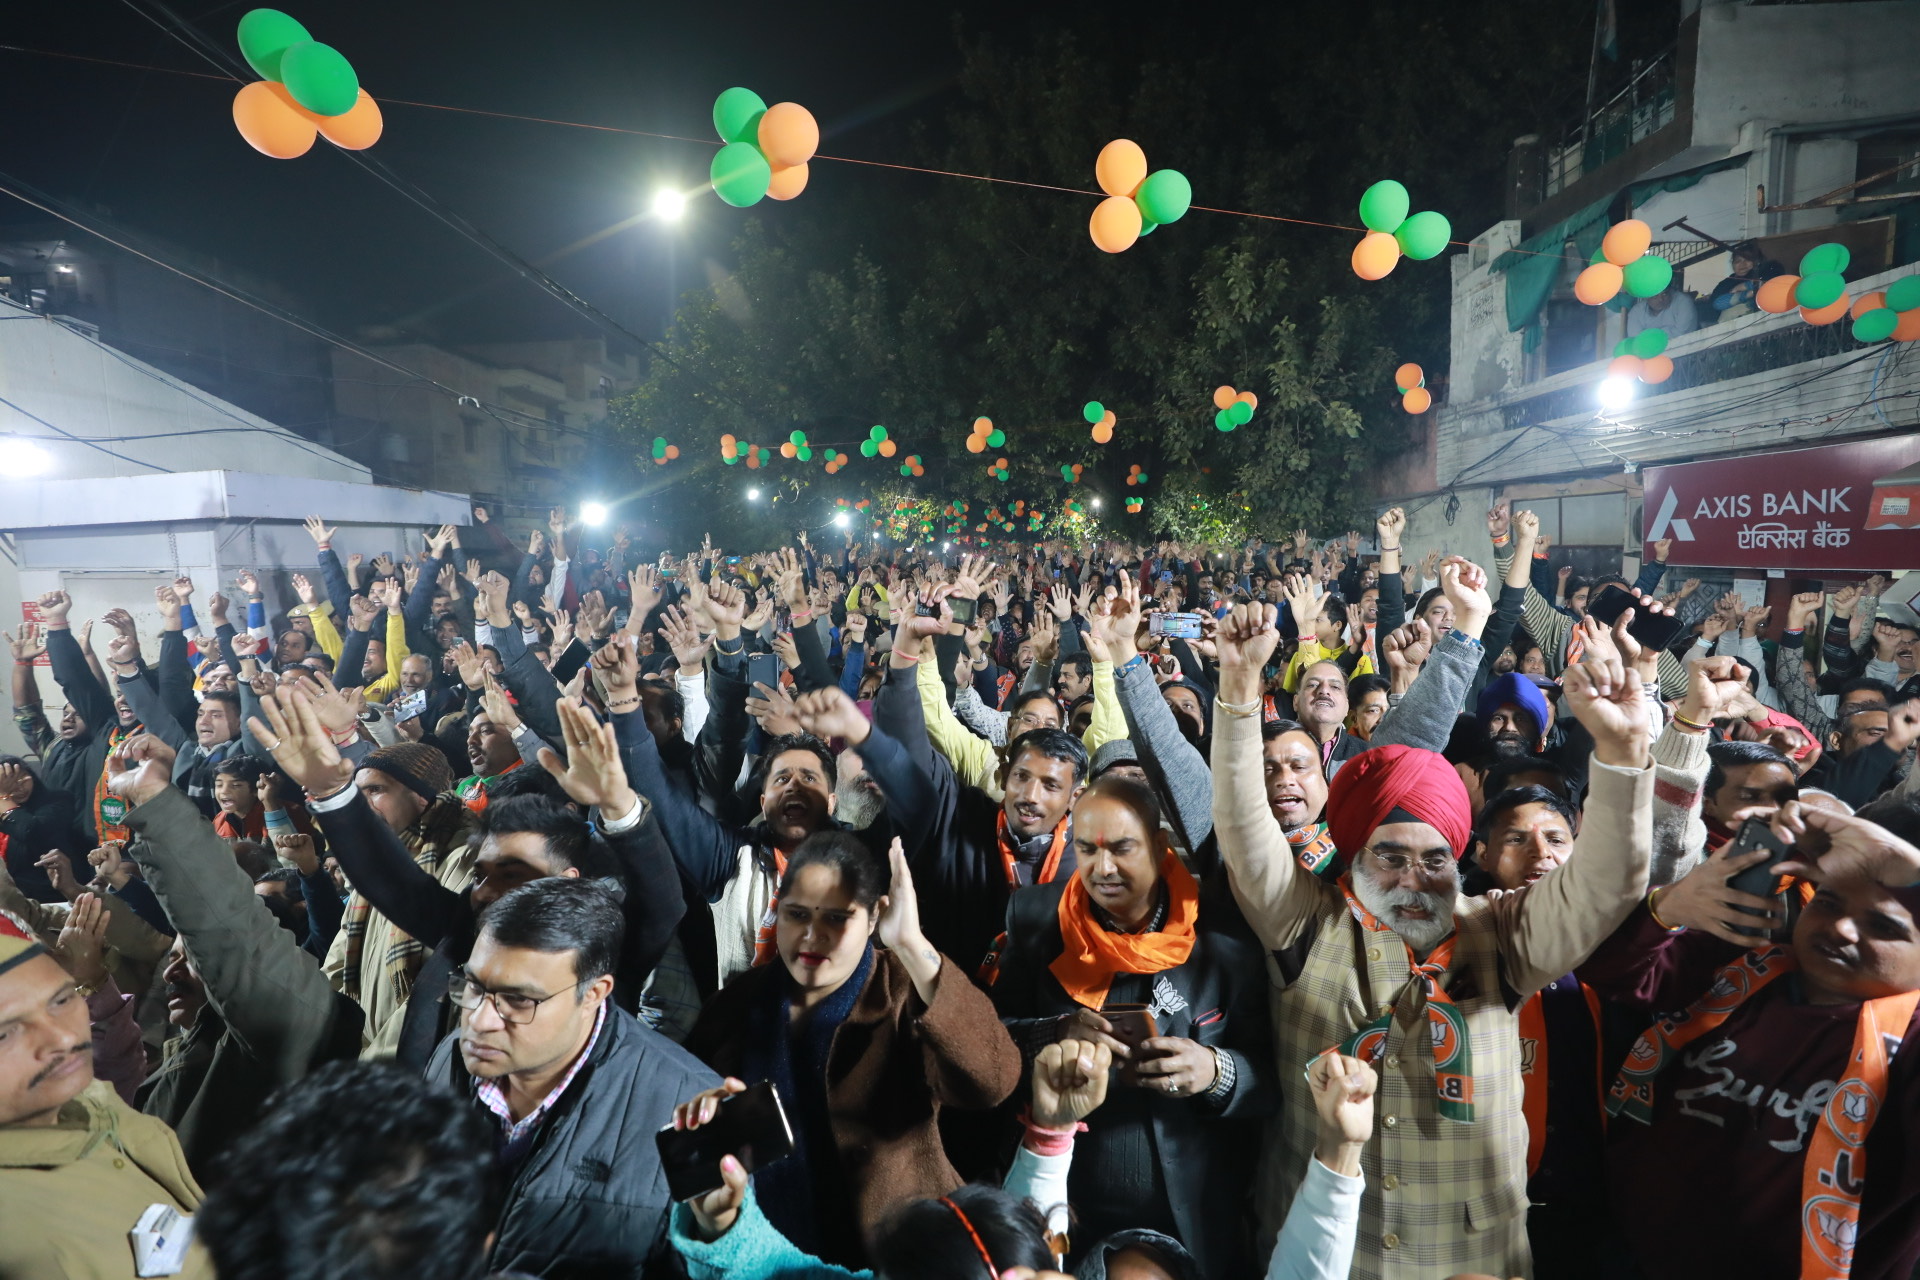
{"points": [[751, 1127], [1184, 626], [1762, 880]]}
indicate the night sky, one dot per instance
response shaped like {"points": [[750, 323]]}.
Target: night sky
{"points": [[160, 151]]}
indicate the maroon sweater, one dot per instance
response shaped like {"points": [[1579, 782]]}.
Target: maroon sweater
{"points": [[1712, 1186]]}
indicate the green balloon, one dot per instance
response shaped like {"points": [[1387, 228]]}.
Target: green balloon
{"points": [[736, 115], [803, 453], [730, 461], [1164, 196], [877, 433], [868, 448], [1624, 347], [1822, 289], [1648, 275], [796, 437], [1147, 225], [1823, 258], [1066, 471], [1224, 421], [265, 34], [905, 470], [996, 438], [1876, 325], [1093, 411], [740, 174], [1383, 207], [1424, 235], [1241, 412], [1904, 294], [1649, 343], [319, 78]]}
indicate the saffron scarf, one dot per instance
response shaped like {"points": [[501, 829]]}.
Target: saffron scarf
{"points": [[765, 947], [1452, 1046], [109, 810], [1314, 847], [1534, 1047], [1010, 851], [1835, 1171], [1091, 955]]}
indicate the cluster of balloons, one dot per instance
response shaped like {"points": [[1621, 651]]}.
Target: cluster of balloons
{"points": [[663, 453], [1137, 201], [1102, 420], [765, 151], [1642, 356], [1393, 233], [1820, 291], [1135, 475], [877, 443], [836, 462], [999, 470], [1133, 506], [732, 451], [797, 447], [912, 466], [860, 506], [309, 90], [1623, 263], [985, 436], [1070, 472], [1073, 506], [1235, 407], [1411, 379]]}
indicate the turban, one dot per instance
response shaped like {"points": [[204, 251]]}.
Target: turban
{"points": [[1372, 785], [1517, 690]]}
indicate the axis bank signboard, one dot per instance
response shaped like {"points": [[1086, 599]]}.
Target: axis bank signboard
{"points": [[1843, 506]]}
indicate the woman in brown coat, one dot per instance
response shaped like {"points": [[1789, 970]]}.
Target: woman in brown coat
{"points": [[865, 1046]]}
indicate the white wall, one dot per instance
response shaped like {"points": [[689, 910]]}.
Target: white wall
{"points": [[1804, 64], [1485, 358]]}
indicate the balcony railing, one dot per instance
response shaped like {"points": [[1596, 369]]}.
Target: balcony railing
{"points": [[1640, 109]]}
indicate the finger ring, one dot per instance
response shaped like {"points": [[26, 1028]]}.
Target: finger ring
{"points": [[274, 745], [1172, 1087]]}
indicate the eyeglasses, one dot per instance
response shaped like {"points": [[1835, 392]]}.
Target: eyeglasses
{"points": [[513, 1008], [1432, 864]]}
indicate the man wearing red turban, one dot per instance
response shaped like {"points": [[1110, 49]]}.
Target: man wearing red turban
{"points": [[1395, 966]]}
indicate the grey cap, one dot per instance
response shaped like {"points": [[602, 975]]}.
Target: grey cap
{"points": [[1900, 615], [1169, 1252], [1119, 751]]}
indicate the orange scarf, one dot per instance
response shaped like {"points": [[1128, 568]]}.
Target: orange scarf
{"points": [[1533, 1070], [1091, 955], [109, 810], [1049, 866], [764, 946], [1834, 1173]]}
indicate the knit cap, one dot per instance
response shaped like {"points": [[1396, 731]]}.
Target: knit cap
{"points": [[416, 766]]}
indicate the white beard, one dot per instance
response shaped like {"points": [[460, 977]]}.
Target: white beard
{"points": [[856, 806], [1422, 935]]}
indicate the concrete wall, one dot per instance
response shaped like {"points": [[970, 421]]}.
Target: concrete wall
{"points": [[1485, 358], [1804, 64]]}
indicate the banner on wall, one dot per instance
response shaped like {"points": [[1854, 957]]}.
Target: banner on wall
{"points": [[1848, 507], [30, 612]]}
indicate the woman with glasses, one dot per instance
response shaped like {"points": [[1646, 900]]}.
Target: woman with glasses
{"points": [[866, 1043], [1125, 954]]}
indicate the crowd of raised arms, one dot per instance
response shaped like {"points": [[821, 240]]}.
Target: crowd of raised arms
{"points": [[1131, 911]]}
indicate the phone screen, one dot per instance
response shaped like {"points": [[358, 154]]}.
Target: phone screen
{"points": [[751, 1127], [410, 707], [1185, 626], [763, 668], [964, 611], [1653, 630]]}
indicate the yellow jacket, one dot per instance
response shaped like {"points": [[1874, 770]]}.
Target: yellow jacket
{"points": [[976, 762], [382, 689]]}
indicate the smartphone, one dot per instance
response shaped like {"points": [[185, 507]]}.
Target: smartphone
{"points": [[1652, 630], [411, 707], [964, 611], [1762, 880], [1132, 1024], [763, 668], [1184, 626], [751, 1127], [733, 559]]}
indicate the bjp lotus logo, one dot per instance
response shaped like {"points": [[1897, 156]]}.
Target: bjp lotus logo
{"points": [[1850, 1111], [1832, 1225]]}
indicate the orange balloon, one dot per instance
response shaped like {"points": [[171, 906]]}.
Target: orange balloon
{"points": [[1222, 397], [888, 448], [1418, 400], [727, 442], [1775, 296], [673, 451], [1121, 168], [1867, 302], [1598, 283], [976, 444], [1626, 241], [1103, 435], [1408, 376], [1375, 255], [753, 461], [1107, 419], [357, 128], [1115, 224], [788, 181], [1251, 400], [789, 450], [659, 462], [1656, 369], [265, 115], [1827, 314], [1908, 330], [789, 135], [1622, 367]]}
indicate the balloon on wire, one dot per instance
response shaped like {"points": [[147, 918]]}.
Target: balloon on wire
{"points": [[1393, 233], [308, 90], [1136, 475], [765, 149], [663, 453], [1775, 296], [1137, 201], [1624, 261], [1103, 429]]}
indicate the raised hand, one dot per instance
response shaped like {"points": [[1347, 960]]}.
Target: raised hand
{"points": [[299, 742], [1390, 528], [1610, 701], [297, 851], [54, 607], [1246, 639], [1500, 519], [499, 707], [29, 645], [1343, 1090], [141, 769], [1060, 603], [122, 621], [643, 587], [110, 865], [684, 638], [1405, 652], [304, 589], [727, 606], [788, 653], [772, 707], [1802, 610], [592, 773], [1465, 585], [82, 945], [828, 714], [1304, 598], [1662, 548], [1526, 529], [1070, 1079], [1754, 619], [361, 612]]}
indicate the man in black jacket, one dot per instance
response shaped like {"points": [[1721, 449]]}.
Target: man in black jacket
{"points": [[575, 1088]]}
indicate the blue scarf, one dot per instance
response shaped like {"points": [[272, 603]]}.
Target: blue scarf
{"points": [[789, 1190]]}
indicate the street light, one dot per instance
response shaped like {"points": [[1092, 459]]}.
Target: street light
{"points": [[593, 514], [1615, 392], [20, 456], [840, 520], [753, 495], [1096, 504], [669, 205]]}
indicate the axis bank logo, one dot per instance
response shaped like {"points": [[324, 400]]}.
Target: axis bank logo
{"points": [[1665, 525]]}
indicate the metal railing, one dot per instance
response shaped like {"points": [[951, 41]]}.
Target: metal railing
{"points": [[1638, 110]]}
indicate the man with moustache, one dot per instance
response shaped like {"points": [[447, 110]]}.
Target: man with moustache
{"points": [[1393, 964], [1513, 712]]}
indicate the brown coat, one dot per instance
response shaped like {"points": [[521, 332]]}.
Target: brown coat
{"points": [[894, 1064]]}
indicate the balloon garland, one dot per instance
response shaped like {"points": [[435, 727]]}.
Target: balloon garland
{"points": [[764, 151], [1392, 233], [1235, 407], [1137, 201], [307, 90]]}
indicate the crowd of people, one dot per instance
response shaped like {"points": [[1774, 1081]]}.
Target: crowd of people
{"points": [[1167, 911]]}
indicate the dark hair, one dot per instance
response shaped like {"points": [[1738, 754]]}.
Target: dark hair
{"points": [[672, 705], [1372, 682], [1131, 792], [1476, 877], [564, 830], [1734, 753], [1055, 744], [928, 1240], [241, 766], [228, 696], [1898, 813], [561, 913], [1427, 597], [1501, 776], [324, 657], [1843, 723], [1078, 663], [794, 742], [1275, 728], [530, 782], [408, 1190], [1855, 685], [1336, 609], [865, 875], [1023, 697], [253, 857], [281, 875]]}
